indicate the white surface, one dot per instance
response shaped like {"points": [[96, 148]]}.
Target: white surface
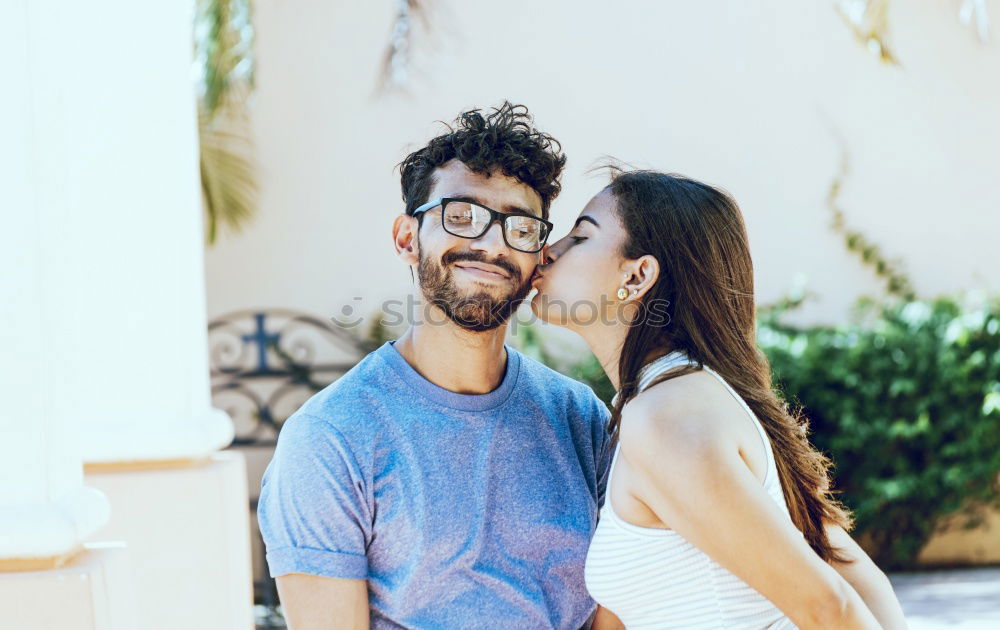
{"points": [[93, 591], [103, 308], [188, 534], [50, 528], [166, 437], [963, 599], [44, 508]]}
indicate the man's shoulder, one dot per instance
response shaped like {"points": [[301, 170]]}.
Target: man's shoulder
{"points": [[559, 387], [346, 403]]}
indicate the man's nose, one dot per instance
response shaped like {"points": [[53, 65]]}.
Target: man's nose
{"points": [[492, 240]]}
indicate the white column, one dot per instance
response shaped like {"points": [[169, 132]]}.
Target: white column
{"points": [[116, 149], [102, 307], [45, 510], [102, 312]]}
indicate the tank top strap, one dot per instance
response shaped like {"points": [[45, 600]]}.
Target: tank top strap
{"points": [[656, 367], [647, 373], [678, 357]]}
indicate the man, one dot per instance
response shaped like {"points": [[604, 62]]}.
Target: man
{"points": [[447, 481]]}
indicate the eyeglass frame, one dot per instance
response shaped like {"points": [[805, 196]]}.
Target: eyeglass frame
{"points": [[495, 216]]}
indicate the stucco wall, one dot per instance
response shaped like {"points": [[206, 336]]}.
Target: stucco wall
{"points": [[749, 96]]}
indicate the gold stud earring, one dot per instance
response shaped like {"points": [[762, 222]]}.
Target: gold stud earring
{"points": [[622, 293]]}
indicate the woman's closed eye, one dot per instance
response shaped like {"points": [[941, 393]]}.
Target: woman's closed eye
{"points": [[577, 239]]}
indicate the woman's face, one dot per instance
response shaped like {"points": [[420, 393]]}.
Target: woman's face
{"points": [[577, 286]]}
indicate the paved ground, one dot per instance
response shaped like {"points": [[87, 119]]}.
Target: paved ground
{"points": [[961, 599]]}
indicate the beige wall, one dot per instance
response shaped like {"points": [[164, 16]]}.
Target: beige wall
{"points": [[960, 546], [742, 94]]}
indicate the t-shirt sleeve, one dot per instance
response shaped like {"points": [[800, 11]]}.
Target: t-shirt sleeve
{"points": [[602, 444], [314, 511]]}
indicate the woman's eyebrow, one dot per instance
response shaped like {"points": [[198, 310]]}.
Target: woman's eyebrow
{"points": [[586, 217]]}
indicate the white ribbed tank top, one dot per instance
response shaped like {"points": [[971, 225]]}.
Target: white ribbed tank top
{"points": [[653, 578]]}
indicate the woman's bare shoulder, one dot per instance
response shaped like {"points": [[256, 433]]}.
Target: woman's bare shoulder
{"points": [[683, 413]]}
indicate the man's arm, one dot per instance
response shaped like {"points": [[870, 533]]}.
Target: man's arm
{"points": [[310, 602], [867, 579], [316, 520]]}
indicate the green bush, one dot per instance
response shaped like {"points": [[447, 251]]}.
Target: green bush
{"points": [[907, 403]]}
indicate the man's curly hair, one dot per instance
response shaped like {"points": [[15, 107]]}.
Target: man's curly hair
{"points": [[504, 140]]}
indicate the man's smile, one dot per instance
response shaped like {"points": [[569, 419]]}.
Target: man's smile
{"points": [[482, 270]]}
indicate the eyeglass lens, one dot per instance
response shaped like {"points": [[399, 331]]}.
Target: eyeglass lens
{"points": [[523, 232]]}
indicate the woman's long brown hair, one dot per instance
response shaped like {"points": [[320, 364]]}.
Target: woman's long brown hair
{"points": [[696, 233]]}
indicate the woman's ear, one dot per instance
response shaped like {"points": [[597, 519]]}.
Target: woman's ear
{"points": [[404, 238], [640, 275]]}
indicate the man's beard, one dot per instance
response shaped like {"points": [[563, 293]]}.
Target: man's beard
{"points": [[477, 312]]}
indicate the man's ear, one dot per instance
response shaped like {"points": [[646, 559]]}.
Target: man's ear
{"points": [[404, 238]]}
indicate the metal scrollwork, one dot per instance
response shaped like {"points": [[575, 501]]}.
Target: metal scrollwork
{"points": [[265, 364]]}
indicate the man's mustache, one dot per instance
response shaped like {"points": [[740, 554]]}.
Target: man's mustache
{"points": [[452, 257]]}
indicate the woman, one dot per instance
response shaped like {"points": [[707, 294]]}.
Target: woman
{"points": [[717, 512]]}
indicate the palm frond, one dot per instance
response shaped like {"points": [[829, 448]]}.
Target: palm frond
{"points": [[224, 62]]}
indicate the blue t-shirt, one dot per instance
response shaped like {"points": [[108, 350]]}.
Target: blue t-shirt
{"points": [[461, 511]]}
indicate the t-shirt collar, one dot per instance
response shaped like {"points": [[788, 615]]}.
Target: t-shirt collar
{"points": [[442, 396]]}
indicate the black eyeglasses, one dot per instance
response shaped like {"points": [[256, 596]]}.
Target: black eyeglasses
{"points": [[468, 219]]}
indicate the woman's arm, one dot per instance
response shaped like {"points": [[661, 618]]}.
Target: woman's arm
{"points": [[689, 472], [867, 579]]}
